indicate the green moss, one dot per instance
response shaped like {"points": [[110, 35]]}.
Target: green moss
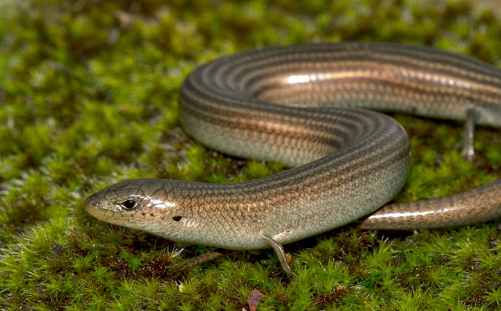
{"points": [[89, 97]]}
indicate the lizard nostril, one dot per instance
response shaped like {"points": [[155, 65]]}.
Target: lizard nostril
{"points": [[91, 204]]}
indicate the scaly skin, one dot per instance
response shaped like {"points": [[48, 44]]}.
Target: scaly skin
{"points": [[276, 104]]}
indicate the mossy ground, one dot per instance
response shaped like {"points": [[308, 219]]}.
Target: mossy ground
{"points": [[89, 94]]}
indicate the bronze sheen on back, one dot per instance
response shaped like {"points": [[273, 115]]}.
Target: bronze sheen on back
{"points": [[305, 106]]}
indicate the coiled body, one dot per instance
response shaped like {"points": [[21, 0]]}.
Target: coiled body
{"points": [[277, 104]]}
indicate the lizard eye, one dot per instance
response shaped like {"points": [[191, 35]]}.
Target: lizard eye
{"points": [[129, 205]]}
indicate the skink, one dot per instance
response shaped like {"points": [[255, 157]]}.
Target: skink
{"points": [[278, 104]]}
